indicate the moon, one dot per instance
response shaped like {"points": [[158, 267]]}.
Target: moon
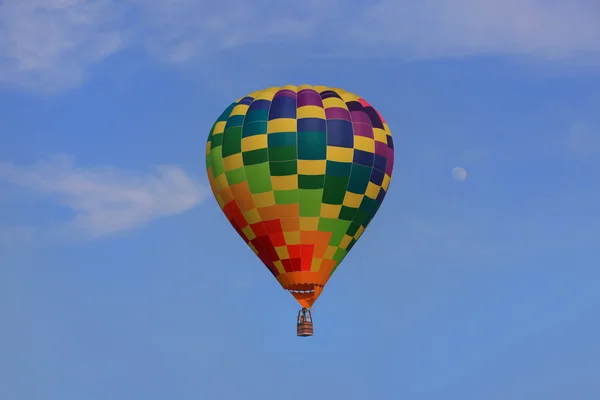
{"points": [[459, 173]]}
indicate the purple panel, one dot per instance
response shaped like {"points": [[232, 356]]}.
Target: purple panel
{"points": [[285, 92], [309, 97], [359, 116], [390, 161], [381, 149], [337, 113], [363, 130]]}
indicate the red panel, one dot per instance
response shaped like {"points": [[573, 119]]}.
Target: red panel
{"points": [[267, 247], [237, 215], [307, 256], [287, 265], [258, 229], [273, 226], [277, 239], [295, 251], [296, 264]]}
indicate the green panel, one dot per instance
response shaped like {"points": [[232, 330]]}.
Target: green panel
{"points": [[311, 181], [232, 141], [255, 157], [236, 176], [347, 213], [282, 139], [310, 202], [335, 168], [216, 141], [367, 204], [234, 120], [361, 216], [359, 179], [284, 168], [339, 255], [257, 115], [336, 226], [312, 146], [353, 229], [217, 162], [255, 128], [335, 190], [286, 196], [287, 153], [259, 179]]}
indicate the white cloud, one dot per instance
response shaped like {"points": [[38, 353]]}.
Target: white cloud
{"points": [[107, 200], [436, 28], [48, 44]]}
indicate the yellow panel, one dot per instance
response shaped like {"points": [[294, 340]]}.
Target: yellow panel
{"points": [[248, 232], [359, 232], [386, 182], [233, 162], [284, 182], [293, 88], [252, 216], [380, 135], [240, 109], [262, 200], [347, 96], [266, 94], [220, 201], [292, 238], [281, 125], [330, 211], [320, 88], [387, 128], [332, 102], [279, 265], [364, 144], [330, 252], [304, 86], [352, 200], [308, 224], [346, 241], [254, 142], [311, 112], [312, 167], [340, 154], [372, 190], [282, 252], [221, 182], [219, 127], [208, 147], [315, 264]]}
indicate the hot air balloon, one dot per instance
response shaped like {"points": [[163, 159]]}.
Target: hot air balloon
{"points": [[300, 172]]}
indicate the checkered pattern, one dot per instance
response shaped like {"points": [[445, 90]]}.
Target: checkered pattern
{"points": [[300, 171]]}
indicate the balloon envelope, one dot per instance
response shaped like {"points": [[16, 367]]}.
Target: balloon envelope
{"points": [[300, 172]]}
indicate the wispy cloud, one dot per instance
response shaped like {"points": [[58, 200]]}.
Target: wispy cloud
{"points": [[106, 200], [49, 44]]}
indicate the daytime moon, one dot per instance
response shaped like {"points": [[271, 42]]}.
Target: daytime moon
{"points": [[460, 174]]}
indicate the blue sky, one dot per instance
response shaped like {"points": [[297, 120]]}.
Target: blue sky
{"points": [[120, 278]]}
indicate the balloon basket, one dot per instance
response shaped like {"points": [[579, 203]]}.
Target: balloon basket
{"points": [[304, 326]]}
